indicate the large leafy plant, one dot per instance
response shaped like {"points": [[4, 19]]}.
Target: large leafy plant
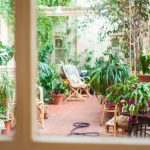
{"points": [[136, 95], [106, 73]]}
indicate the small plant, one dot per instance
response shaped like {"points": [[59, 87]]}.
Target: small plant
{"points": [[60, 88]]}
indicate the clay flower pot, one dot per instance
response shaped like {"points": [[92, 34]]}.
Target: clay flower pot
{"points": [[7, 127], [144, 78], [58, 99]]}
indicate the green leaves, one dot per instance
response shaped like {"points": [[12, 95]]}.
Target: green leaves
{"points": [[134, 93], [60, 87], [145, 62], [106, 73], [7, 94], [6, 53], [7, 11], [47, 77], [54, 2]]}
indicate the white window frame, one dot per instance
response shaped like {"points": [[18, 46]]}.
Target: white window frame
{"points": [[0, 28], [25, 138]]}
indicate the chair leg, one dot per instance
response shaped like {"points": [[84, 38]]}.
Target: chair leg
{"points": [[87, 92], [42, 117], [75, 93], [103, 115], [115, 128], [106, 129]]}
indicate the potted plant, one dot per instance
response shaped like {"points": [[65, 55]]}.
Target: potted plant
{"points": [[145, 65], [108, 72], [135, 94], [7, 122], [7, 94], [59, 91]]}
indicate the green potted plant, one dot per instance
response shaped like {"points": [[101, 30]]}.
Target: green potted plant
{"points": [[59, 91], [145, 66], [46, 77], [106, 73], [2, 118], [7, 94], [135, 95]]}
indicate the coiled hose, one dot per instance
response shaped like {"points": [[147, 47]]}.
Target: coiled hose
{"points": [[78, 125]]}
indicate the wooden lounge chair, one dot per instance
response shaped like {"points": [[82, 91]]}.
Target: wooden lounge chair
{"points": [[77, 84]]}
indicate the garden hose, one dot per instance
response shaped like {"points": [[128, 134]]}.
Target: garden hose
{"points": [[78, 125]]}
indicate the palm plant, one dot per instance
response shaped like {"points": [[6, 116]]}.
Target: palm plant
{"points": [[106, 73]]}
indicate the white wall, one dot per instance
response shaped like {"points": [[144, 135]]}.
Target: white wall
{"points": [[3, 31], [89, 38]]}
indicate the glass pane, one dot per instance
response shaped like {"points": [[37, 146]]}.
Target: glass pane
{"points": [[74, 44], [7, 69]]}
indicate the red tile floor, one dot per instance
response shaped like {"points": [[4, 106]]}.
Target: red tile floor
{"points": [[61, 117]]}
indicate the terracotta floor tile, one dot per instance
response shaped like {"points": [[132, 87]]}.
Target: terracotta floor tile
{"points": [[61, 117]]}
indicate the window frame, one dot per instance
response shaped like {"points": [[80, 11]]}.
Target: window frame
{"points": [[26, 62]]}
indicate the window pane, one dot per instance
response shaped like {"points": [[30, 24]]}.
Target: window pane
{"points": [[7, 69], [87, 42]]}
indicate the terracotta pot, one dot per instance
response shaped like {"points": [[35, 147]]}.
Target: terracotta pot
{"points": [[7, 127], [45, 115], [144, 78], [58, 99]]}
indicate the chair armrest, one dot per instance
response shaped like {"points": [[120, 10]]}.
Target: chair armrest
{"points": [[40, 92]]}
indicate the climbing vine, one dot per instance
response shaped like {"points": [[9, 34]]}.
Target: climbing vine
{"points": [[46, 25], [7, 12]]}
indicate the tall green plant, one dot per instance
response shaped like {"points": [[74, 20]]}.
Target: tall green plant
{"points": [[106, 73], [7, 93], [6, 53], [47, 77]]}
